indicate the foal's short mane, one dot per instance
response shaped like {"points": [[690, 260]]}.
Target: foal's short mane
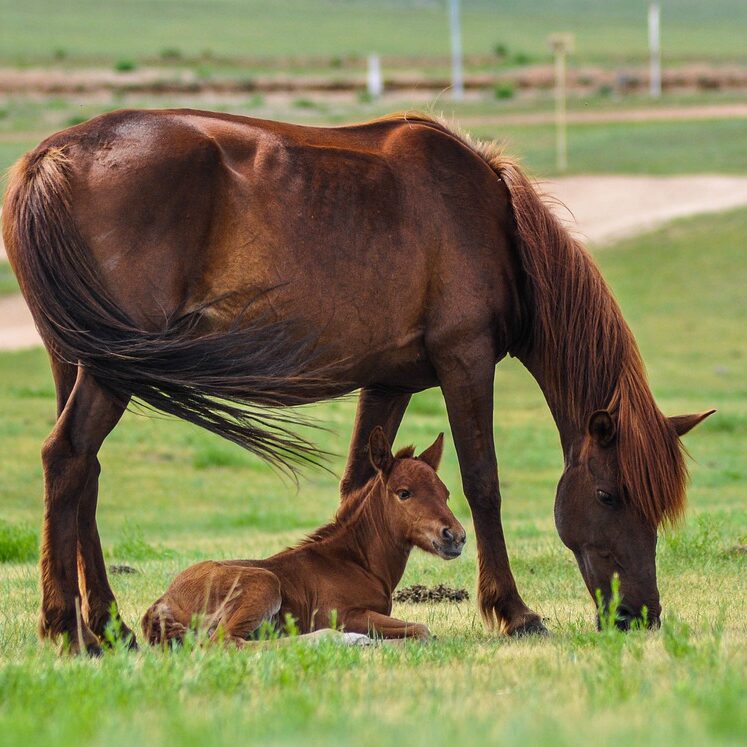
{"points": [[586, 352], [350, 504]]}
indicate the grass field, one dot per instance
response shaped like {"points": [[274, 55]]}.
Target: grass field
{"points": [[8, 282], [606, 30], [171, 494]]}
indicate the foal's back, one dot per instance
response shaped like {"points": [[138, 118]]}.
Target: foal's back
{"points": [[344, 573]]}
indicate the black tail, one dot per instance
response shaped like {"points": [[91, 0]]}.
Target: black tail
{"points": [[230, 382]]}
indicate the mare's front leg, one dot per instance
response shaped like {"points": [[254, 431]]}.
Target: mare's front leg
{"points": [[466, 378], [86, 416], [376, 406], [375, 624]]}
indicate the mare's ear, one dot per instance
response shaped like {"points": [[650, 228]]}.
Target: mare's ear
{"points": [[432, 455], [602, 428], [379, 450], [683, 424]]}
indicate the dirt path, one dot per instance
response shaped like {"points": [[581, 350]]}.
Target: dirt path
{"points": [[644, 114], [599, 209], [607, 208]]}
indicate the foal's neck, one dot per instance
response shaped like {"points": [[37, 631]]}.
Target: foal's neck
{"points": [[371, 540]]}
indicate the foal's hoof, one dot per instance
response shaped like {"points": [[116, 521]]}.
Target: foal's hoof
{"points": [[530, 626]]}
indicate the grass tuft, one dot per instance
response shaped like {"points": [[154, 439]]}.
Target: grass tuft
{"points": [[18, 543], [132, 546]]}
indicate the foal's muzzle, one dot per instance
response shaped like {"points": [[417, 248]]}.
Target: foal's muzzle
{"points": [[450, 543]]}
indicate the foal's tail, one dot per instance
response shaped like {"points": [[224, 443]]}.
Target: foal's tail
{"points": [[159, 625], [230, 382]]}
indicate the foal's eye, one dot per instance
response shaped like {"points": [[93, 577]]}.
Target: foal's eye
{"points": [[607, 498], [404, 494]]}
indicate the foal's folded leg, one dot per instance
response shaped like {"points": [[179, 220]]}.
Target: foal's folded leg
{"points": [[252, 597], [376, 624]]}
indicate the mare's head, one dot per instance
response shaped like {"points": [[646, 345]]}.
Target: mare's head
{"points": [[620, 482], [415, 499]]}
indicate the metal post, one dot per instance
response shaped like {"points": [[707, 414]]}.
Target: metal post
{"points": [[561, 44], [457, 74], [374, 79], [561, 130], [654, 46]]}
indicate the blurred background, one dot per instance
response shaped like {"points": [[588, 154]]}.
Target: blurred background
{"points": [[309, 61], [633, 114]]}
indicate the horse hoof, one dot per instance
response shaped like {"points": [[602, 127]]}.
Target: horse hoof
{"points": [[94, 650], [533, 626], [126, 638], [71, 647]]}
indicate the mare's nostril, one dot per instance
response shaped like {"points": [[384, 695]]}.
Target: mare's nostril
{"points": [[447, 534]]}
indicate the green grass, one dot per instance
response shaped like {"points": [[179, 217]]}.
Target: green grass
{"points": [[711, 146], [8, 282], [171, 494], [18, 543], [132, 29]]}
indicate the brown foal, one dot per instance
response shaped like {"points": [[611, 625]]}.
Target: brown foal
{"points": [[344, 572]]}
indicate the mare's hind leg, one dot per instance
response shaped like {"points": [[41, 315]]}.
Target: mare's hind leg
{"points": [[251, 596], [376, 406], [71, 472], [96, 593], [466, 378], [64, 375]]}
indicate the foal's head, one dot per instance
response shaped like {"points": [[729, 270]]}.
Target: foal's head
{"points": [[415, 498]]}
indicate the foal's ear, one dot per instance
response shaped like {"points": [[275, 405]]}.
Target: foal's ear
{"points": [[380, 450], [432, 455], [602, 428], [683, 424]]}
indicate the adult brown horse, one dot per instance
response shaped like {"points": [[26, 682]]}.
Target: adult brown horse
{"points": [[343, 574], [200, 262]]}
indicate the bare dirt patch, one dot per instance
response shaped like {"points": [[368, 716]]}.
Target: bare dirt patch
{"points": [[688, 113], [604, 209]]}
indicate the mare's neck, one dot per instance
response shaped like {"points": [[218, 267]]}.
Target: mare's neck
{"points": [[567, 429]]}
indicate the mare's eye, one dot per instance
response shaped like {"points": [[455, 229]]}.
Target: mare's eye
{"points": [[607, 498], [404, 494]]}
